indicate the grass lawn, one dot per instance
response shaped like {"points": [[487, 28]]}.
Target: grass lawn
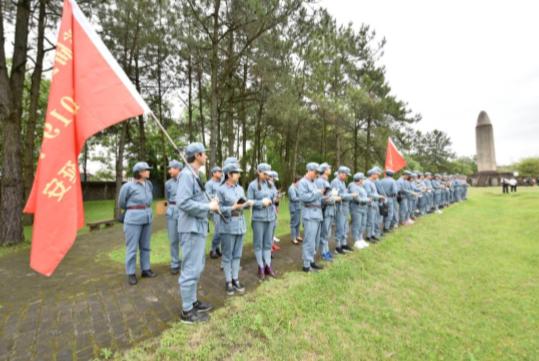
{"points": [[458, 286], [160, 243]]}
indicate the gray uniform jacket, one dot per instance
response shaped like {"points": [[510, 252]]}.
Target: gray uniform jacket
{"points": [[171, 187], [311, 199], [193, 205], [135, 194], [228, 196], [256, 192]]}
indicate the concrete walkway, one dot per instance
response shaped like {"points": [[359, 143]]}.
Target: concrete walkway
{"points": [[87, 305]]}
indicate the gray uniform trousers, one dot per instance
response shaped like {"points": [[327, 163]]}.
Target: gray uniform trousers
{"points": [[137, 237], [194, 259]]}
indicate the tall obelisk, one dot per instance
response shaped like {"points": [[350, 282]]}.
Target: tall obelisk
{"points": [[484, 142]]}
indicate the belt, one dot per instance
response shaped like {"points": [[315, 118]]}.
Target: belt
{"points": [[235, 213], [173, 203], [312, 206], [139, 206]]}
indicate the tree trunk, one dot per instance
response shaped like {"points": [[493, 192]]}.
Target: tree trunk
{"points": [[190, 99], [35, 87], [12, 183], [214, 97], [142, 153], [368, 145], [200, 107], [120, 164], [356, 144], [243, 119]]}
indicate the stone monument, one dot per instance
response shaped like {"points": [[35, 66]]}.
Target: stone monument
{"points": [[486, 153]]}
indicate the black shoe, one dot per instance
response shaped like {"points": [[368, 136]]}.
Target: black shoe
{"points": [[306, 269], [339, 250], [193, 317], [175, 271], [132, 279], [316, 266], [214, 255], [218, 251], [238, 287], [375, 239], [347, 248], [203, 306], [148, 274], [229, 289]]}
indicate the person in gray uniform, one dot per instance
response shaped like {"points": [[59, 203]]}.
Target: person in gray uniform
{"points": [[437, 188], [193, 208], [136, 199], [342, 211], [358, 210], [171, 187], [294, 206], [373, 215], [311, 200], [328, 210], [232, 202], [263, 218], [211, 188], [390, 190]]}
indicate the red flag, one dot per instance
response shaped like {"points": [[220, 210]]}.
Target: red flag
{"points": [[394, 159], [89, 92]]}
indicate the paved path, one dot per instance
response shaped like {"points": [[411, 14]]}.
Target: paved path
{"points": [[87, 304]]}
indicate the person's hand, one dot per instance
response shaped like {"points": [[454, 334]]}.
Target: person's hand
{"points": [[214, 205], [354, 195], [249, 203], [266, 202], [237, 206], [337, 199]]}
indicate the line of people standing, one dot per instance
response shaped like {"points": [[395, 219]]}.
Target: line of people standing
{"points": [[370, 205]]}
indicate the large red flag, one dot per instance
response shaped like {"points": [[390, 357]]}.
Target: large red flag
{"points": [[394, 159], [89, 92]]}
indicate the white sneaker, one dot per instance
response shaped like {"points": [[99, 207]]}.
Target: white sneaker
{"points": [[358, 245], [365, 244], [438, 211], [276, 240]]}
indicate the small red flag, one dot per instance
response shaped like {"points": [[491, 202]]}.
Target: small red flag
{"points": [[394, 159], [89, 92]]}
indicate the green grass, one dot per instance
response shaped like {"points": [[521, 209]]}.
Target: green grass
{"points": [[160, 243], [458, 286]]}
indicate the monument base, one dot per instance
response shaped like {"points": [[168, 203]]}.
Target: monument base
{"points": [[489, 178]]}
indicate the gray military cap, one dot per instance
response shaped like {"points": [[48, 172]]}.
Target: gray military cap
{"points": [[323, 167], [263, 168], [312, 166], [232, 168], [230, 160], [140, 166], [358, 176], [274, 175], [175, 164], [194, 148], [345, 170], [374, 170], [215, 169]]}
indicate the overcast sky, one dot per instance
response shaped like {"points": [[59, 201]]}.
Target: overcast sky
{"points": [[451, 59]]}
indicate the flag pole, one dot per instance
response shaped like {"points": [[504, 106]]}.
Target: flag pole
{"points": [[178, 150]]}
